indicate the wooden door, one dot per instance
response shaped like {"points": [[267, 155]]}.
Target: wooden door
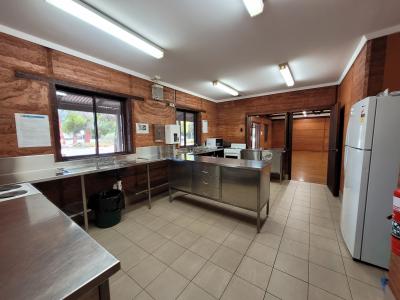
{"points": [[335, 148]]}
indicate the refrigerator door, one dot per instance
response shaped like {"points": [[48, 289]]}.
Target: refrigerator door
{"points": [[360, 128], [385, 159], [356, 169]]}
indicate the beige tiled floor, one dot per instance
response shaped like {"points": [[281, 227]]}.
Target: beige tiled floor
{"points": [[183, 250]]}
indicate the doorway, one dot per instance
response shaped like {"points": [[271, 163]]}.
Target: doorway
{"points": [[303, 137]]}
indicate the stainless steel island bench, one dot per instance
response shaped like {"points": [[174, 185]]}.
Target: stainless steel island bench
{"points": [[241, 183]]}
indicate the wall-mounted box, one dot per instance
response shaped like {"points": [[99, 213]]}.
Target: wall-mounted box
{"points": [[172, 134], [159, 133]]}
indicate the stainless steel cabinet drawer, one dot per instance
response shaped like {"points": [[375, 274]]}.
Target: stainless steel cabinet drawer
{"points": [[206, 181], [207, 170]]}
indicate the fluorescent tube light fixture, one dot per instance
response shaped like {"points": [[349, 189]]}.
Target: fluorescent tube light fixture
{"points": [[254, 7], [61, 93], [94, 18], [304, 113], [225, 88], [286, 74]]}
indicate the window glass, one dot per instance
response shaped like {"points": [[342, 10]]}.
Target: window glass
{"points": [[187, 123], [76, 124], [109, 126], [89, 125]]}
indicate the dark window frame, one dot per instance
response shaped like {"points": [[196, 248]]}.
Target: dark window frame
{"points": [[126, 114], [196, 135]]}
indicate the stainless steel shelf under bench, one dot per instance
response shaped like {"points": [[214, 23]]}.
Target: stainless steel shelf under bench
{"points": [[240, 183]]}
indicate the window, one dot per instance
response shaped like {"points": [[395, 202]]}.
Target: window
{"points": [[187, 122], [90, 124]]}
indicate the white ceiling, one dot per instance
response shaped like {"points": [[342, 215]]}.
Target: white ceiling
{"points": [[216, 39]]}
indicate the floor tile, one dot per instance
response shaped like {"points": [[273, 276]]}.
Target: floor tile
{"points": [[170, 230], [298, 224], [212, 279], [186, 238], [138, 232], [296, 235], [287, 287], [362, 291], [188, 264], [254, 272], [330, 281], [268, 296], [268, 239], [152, 242], [262, 253], [238, 289], [147, 270], [227, 258], [116, 276], [324, 244], [117, 243], [326, 259], [167, 286], [131, 257], [157, 224], [325, 232], [292, 265], [125, 226], [245, 230], [193, 292], [199, 227], [237, 242], [124, 288], [169, 252], [315, 293], [363, 272], [183, 221], [216, 234], [143, 295], [294, 248], [204, 247]]}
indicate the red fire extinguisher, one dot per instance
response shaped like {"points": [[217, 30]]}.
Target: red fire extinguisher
{"points": [[396, 223]]}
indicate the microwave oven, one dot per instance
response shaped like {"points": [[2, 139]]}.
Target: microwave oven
{"points": [[215, 143]]}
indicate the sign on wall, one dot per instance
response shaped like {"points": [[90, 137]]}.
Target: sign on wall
{"points": [[142, 128], [32, 130], [204, 126]]}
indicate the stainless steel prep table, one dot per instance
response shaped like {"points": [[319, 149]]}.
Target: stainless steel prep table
{"points": [[82, 170], [241, 183]]}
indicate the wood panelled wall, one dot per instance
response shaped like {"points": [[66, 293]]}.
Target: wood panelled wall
{"points": [[311, 134], [28, 96], [232, 115], [278, 134]]}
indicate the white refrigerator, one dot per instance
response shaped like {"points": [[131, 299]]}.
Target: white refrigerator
{"points": [[371, 166]]}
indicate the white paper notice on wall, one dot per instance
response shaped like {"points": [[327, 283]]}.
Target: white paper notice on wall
{"points": [[204, 126], [32, 130], [142, 128]]}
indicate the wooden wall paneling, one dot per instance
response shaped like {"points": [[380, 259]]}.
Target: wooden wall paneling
{"points": [[231, 115], [24, 55], [70, 68], [310, 134], [278, 134], [20, 96]]}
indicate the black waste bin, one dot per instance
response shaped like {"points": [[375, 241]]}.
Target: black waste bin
{"points": [[107, 206]]}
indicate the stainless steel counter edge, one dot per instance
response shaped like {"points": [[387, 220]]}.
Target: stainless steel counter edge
{"points": [[51, 174], [225, 162]]}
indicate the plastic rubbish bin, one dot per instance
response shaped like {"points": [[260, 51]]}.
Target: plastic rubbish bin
{"points": [[107, 206]]}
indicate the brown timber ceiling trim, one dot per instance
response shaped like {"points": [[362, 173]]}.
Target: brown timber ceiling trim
{"points": [[184, 107], [50, 79]]}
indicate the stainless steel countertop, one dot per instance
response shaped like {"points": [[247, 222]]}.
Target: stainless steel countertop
{"points": [[225, 162], [53, 174]]}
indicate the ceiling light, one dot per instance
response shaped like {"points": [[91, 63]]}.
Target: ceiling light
{"points": [[225, 88], [286, 74], [304, 113], [254, 7], [94, 18], [61, 93]]}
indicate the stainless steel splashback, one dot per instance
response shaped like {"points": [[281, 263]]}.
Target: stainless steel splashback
{"points": [[155, 151], [9, 165]]}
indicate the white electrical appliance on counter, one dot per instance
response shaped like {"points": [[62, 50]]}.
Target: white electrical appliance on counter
{"points": [[234, 150], [371, 165], [172, 134]]}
